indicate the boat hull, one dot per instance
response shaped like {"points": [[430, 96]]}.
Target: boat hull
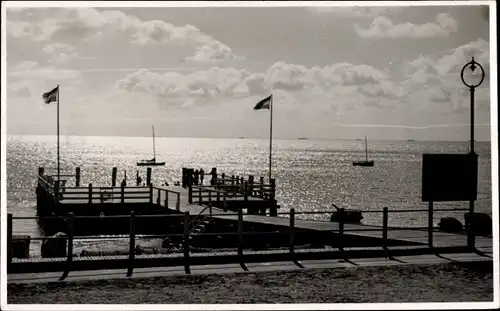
{"points": [[363, 163], [151, 164]]}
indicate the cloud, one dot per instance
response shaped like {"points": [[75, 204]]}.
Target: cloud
{"points": [[382, 27], [60, 53], [70, 24], [436, 82], [343, 82]]}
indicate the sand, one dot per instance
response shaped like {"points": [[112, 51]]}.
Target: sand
{"points": [[449, 282]]}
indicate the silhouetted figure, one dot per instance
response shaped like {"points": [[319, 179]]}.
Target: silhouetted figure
{"points": [[124, 183], [139, 180], [177, 183], [202, 176], [196, 176]]}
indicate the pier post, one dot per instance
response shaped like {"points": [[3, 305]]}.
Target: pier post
{"points": [[272, 196], [245, 189], [178, 203], [113, 176], [292, 230], [148, 176], [430, 224], [166, 199], [9, 239], [77, 177], [218, 198], [90, 193], [199, 195], [251, 182], [122, 193], [232, 180], [131, 250], [261, 186], [223, 176], [240, 232], [385, 221], [224, 203], [186, 242], [158, 199], [150, 193]]}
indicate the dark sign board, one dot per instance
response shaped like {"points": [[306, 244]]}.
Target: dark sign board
{"points": [[449, 177]]}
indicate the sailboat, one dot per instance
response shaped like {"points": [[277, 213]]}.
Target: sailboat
{"points": [[365, 162], [151, 162]]}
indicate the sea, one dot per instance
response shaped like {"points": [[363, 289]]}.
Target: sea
{"points": [[311, 175]]}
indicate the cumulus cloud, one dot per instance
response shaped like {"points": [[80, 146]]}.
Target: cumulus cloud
{"points": [[343, 81], [60, 53], [383, 27], [69, 24], [435, 81]]}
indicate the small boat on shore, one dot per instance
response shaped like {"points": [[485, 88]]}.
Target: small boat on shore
{"points": [[151, 162], [365, 162]]}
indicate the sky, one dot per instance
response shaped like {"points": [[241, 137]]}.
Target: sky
{"points": [[334, 72]]}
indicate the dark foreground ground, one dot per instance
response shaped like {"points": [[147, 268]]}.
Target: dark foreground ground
{"points": [[406, 283]]}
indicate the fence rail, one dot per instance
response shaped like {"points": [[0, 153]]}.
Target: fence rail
{"points": [[132, 260]]}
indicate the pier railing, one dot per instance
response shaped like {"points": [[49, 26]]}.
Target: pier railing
{"points": [[116, 194], [187, 256]]}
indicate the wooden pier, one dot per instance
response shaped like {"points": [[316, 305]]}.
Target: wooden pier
{"points": [[190, 208]]}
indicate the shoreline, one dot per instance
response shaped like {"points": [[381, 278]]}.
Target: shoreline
{"points": [[445, 282]]}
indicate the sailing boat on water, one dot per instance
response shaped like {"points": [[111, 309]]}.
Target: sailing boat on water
{"points": [[365, 162], [151, 162]]}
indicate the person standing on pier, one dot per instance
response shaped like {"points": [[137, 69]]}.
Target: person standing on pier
{"points": [[196, 175], [202, 176]]}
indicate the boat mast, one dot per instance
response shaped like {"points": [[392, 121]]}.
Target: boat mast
{"points": [[154, 150], [366, 149]]}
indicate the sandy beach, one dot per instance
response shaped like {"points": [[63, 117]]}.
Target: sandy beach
{"points": [[472, 282]]}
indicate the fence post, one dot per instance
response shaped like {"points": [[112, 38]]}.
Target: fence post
{"points": [[166, 199], [292, 230], [261, 186], [209, 195], [471, 236], [158, 199], [218, 197], [245, 190], [186, 243], [341, 229], [223, 176], [385, 221], [199, 196], [131, 249], [240, 232], [77, 177], [71, 228], [190, 194], [178, 203], [150, 193], [90, 193], [9, 239], [430, 224], [225, 202], [122, 192]]}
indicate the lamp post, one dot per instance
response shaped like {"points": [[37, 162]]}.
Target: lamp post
{"points": [[472, 65]]}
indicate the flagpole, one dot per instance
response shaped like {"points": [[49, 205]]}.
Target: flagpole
{"points": [[58, 167], [271, 138]]}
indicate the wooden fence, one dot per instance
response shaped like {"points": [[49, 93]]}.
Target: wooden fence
{"points": [[188, 259]]}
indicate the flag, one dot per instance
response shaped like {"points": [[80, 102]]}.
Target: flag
{"points": [[264, 104], [51, 96]]}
